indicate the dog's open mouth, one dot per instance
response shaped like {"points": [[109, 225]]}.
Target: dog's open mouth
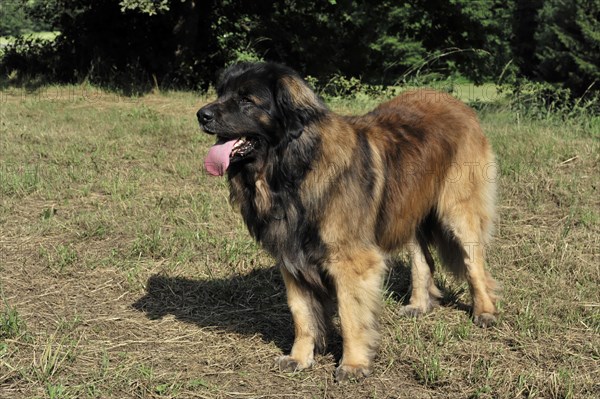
{"points": [[241, 148], [225, 152]]}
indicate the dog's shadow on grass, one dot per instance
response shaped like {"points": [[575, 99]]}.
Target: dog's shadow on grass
{"points": [[251, 304]]}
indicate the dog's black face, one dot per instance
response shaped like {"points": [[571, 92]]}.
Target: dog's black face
{"points": [[258, 108], [244, 111]]}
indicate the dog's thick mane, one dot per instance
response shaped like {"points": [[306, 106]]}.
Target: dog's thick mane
{"points": [[268, 190]]}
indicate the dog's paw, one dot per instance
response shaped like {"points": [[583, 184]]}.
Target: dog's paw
{"points": [[346, 373], [289, 364], [485, 320], [413, 311]]}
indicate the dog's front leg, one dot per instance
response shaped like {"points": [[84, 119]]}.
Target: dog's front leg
{"points": [[358, 278], [310, 324]]}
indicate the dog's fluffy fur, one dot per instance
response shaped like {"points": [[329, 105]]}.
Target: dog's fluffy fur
{"points": [[331, 196]]}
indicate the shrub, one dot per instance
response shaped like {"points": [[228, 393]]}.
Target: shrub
{"points": [[542, 100], [30, 56]]}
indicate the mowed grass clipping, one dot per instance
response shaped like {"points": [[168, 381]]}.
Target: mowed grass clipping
{"points": [[125, 273]]}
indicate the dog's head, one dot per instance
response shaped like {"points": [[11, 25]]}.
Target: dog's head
{"points": [[260, 106]]}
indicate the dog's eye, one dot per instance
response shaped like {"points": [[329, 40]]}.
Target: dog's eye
{"points": [[246, 101]]}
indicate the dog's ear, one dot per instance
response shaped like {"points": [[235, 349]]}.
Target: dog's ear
{"points": [[298, 104]]}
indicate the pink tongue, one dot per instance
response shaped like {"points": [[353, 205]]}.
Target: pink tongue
{"points": [[217, 160]]}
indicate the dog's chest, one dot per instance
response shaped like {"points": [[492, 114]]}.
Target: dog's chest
{"points": [[277, 219]]}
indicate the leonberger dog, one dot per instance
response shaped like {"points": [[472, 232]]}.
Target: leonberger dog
{"points": [[330, 197]]}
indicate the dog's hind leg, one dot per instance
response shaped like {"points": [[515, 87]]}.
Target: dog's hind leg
{"points": [[311, 320], [461, 245], [464, 220], [424, 293], [462, 249]]}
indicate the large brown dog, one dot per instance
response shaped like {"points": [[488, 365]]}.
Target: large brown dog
{"points": [[331, 196]]}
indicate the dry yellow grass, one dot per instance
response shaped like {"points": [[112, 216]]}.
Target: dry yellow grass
{"points": [[124, 272]]}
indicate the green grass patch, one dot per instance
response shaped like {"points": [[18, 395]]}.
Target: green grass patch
{"points": [[11, 324], [126, 273]]}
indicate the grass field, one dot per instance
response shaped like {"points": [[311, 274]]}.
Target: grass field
{"points": [[125, 273]]}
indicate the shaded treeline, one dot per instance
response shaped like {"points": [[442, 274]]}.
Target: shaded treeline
{"points": [[183, 44]]}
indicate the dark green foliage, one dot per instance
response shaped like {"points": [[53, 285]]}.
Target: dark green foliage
{"points": [[524, 26], [380, 41], [17, 17], [556, 43], [13, 18], [541, 100], [32, 56], [568, 44], [140, 44], [123, 46], [185, 43], [470, 36]]}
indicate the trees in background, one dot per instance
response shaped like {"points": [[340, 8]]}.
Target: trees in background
{"points": [[13, 19], [183, 43], [16, 18], [568, 44]]}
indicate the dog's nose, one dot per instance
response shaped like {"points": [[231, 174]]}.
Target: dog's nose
{"points": [[205, 115]]}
